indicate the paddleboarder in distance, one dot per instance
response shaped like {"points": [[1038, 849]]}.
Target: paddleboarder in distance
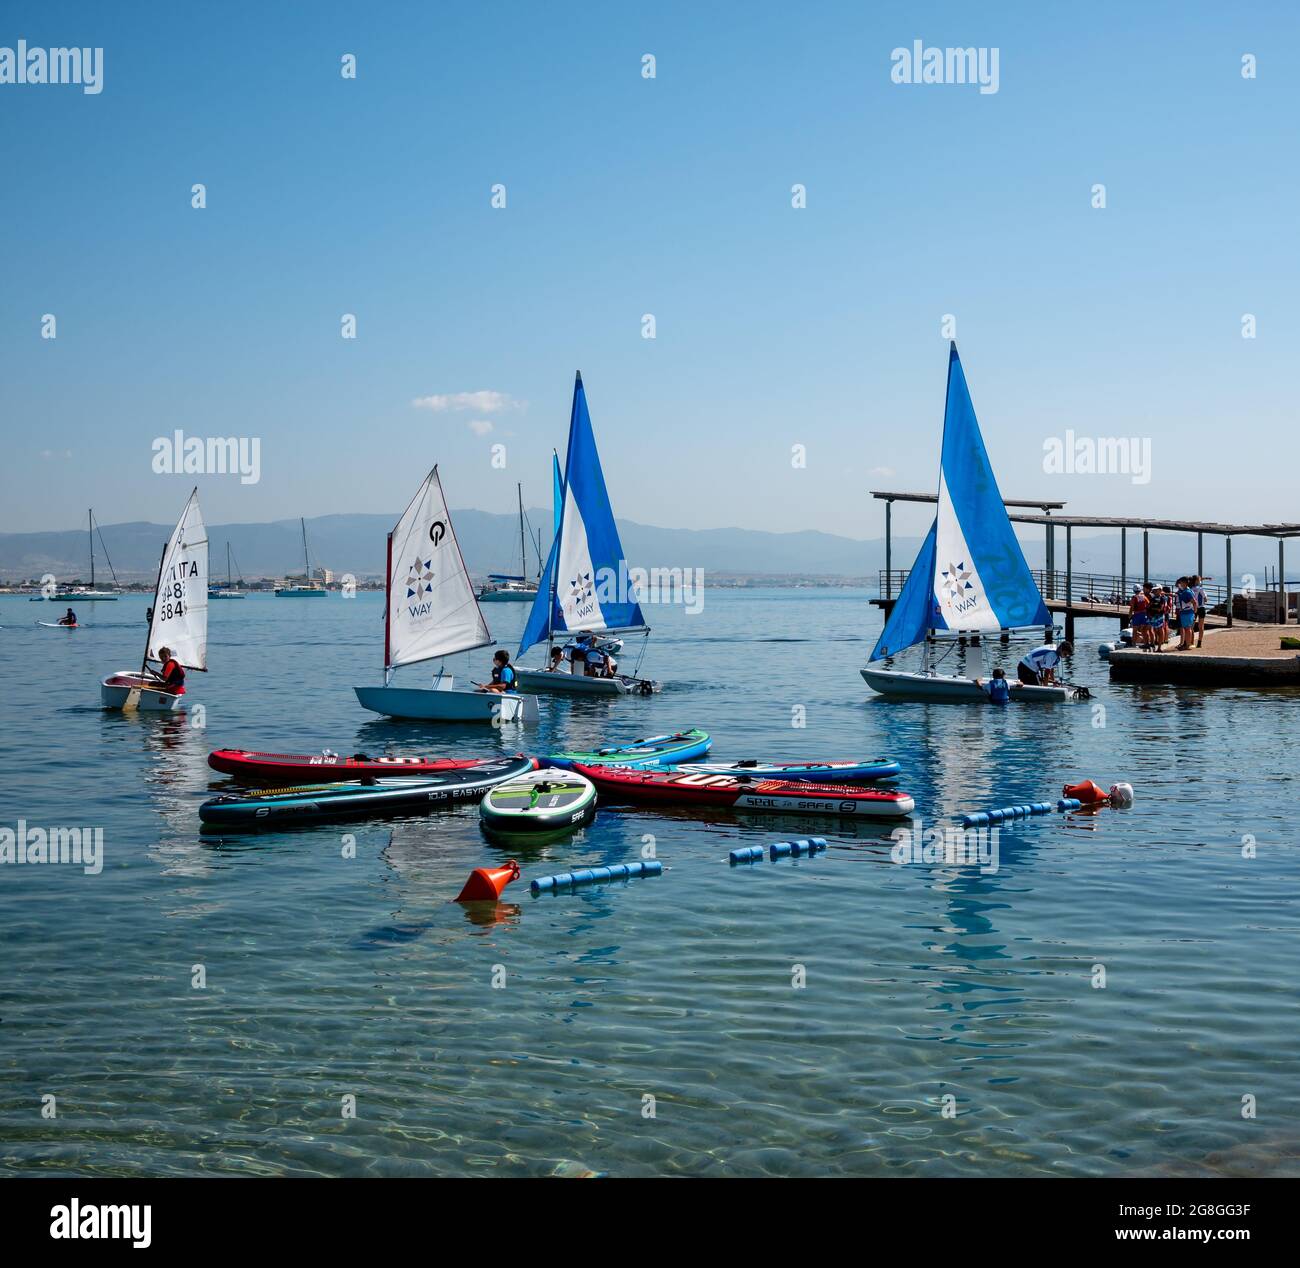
{"points": [[69, 618], [503, 674], [172, 673], [1038, 668]]}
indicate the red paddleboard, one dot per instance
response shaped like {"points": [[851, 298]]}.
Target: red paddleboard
{"points": [[773, 796], [274, 769]]}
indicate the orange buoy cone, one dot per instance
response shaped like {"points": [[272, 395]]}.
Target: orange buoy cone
{"points": [[486, 883], [1088, 793]]}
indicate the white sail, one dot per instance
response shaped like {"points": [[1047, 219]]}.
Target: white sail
{"points": [[180, 606], [432, 610]]}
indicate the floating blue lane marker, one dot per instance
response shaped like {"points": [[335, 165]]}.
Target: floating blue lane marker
{"points": [[595, 876], [804, 845], [982, 818], [1068, 803]]}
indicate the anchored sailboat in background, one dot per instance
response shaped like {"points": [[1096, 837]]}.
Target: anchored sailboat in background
{"points": [[307, 588], [228, 591], [86, 594], [179, 620], [506, 587], [585, 586], [970, 577], [430, 612]]}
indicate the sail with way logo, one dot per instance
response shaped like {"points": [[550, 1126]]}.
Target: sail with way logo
{"points": [[432, 610], [970, 575], [586, 585]]}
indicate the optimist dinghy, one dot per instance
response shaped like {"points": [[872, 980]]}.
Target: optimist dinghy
{"points": [[431, 612], [653, 751], [179, 621], [808, 772], [765, 796], [585, 588], [970, 576]]}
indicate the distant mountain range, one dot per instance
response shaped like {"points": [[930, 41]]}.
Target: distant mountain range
{"points": [[490, 542]]}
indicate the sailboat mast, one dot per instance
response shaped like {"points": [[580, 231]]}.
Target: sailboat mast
{"points": [[229, 584], [90, 532], [388, 605], [523, 555], [306, 562]]}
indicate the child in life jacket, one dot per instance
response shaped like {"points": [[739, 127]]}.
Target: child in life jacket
{"points": [[997, 688]]}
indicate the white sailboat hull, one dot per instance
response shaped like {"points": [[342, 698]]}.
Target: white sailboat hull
{"points": [[507, 596], [127, 690], [580, 684], [78, 596], [897, 682], [447, 703]]}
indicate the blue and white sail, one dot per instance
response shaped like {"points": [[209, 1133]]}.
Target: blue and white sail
{"points": [[431, 609], [970, 574], [586, 584]]}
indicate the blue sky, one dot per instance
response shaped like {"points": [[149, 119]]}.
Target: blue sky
{"points": [[627, 196]]}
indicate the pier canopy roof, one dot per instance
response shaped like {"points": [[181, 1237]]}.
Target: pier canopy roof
{"points": [[1109, 521]]}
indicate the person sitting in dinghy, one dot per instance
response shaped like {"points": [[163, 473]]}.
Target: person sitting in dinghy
{"points": [[503, 674], [172, 673], [1038, 668], [997, 688], [556, 663], [69, 618]]}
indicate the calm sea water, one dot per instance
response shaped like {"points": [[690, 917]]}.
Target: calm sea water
{"points": [[927, 987]]}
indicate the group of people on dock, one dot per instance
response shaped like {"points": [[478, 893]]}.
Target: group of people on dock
{"points": [[1156, 610]]}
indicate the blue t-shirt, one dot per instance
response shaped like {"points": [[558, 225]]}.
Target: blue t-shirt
{"points": [[504, 675]]}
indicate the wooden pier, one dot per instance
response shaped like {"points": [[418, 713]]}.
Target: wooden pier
{"points": [[1073, 594]]}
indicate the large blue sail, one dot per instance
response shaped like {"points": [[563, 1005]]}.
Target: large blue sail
{"points": [[971, 573], [585, 585], [557, 492], [916, 611]]}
